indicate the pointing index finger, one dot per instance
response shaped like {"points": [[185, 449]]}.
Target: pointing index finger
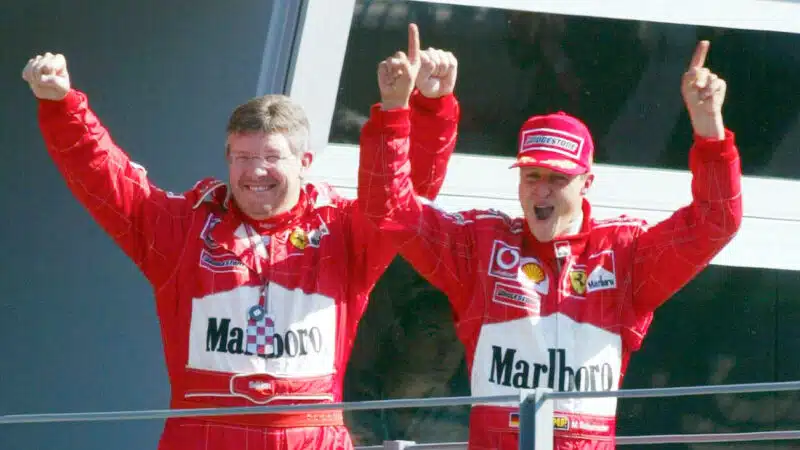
{"points": [[413, 43], [699, 57]]}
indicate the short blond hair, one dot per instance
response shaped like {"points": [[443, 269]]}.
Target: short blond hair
{"points": [[273, 114]]}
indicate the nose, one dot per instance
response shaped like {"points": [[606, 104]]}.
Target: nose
{"points": [[260, 171], [542, 189]]}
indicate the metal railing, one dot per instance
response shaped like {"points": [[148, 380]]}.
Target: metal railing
{"points": [[536, 414]]}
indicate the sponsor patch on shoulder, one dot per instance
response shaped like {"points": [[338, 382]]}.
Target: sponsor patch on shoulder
{"points": [[205, 233]]}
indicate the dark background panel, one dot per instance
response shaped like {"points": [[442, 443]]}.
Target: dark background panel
{"points": [[787, 410], [719, 329], [78, 324], [622, 77]]}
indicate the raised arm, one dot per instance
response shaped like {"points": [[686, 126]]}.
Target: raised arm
{"points": [[433, 111], [434, 128], [142, 219], [670, 253], [434, 120], [437, 244]]}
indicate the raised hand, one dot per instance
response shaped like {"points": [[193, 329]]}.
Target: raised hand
{"points": [[47, 76], [437, 74], [398, 73], [704, 93]]}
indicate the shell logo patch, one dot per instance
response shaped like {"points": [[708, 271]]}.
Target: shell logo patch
{"points": [[534, 272]]}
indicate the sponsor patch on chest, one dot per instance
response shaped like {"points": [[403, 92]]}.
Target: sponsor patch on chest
{"points": [[552, 351], [517, 297], [604, 272], [221, 262], [507, 263], [510, 368], [295, 336], [525, 279], [309, 236]]}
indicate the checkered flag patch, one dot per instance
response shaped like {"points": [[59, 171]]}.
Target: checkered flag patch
{"points": [[260, 334]]}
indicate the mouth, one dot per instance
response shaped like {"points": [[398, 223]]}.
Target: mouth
{"points": [[543, 212], [260, 188]]}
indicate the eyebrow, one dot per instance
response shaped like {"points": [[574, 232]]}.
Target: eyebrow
{"points": [[264, 153]]}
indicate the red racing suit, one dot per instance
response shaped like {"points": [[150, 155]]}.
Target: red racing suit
{"points": [[250, 314], [565, 314]]}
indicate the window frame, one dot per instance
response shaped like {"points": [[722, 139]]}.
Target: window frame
{"points": [[769, 226]]}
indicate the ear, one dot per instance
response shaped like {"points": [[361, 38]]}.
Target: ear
{"points": [[305, 161], [227, 150], [587, 183]]}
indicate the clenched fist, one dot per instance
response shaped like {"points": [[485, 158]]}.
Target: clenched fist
{"points": [[437, 73], [398, 73], [47, 76], [704, 93]]}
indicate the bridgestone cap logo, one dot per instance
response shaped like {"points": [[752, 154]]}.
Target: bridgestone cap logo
{"points": [[548, 139], [553, 141]]}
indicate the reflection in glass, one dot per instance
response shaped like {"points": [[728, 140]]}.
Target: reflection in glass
{"points": [[407, 348], [621, 76]]}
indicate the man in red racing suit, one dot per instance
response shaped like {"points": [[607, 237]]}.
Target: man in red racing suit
{"points": [[544, 302], [252, 312]]}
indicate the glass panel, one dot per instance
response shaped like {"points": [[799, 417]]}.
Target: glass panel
{"points": [[719, 329], [407, 348], [787, 366], [621, 76]]}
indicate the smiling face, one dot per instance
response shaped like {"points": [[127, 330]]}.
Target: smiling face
{"points": [[268, 153], [265, 175], [551, 200]]}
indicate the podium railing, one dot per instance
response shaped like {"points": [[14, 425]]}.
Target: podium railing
{"points": [[536, 414]]}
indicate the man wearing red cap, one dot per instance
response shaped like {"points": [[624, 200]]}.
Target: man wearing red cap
{"points": [[555, 299]]}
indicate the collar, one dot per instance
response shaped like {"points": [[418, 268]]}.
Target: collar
{"points": [[282, 220]]}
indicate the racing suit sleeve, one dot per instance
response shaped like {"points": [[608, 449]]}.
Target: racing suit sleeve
{"points": [[433, 126], [437, 244], [143, 220], [670, 253]]}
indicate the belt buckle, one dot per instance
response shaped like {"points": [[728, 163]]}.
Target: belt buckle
{"points": [[256, 387]]}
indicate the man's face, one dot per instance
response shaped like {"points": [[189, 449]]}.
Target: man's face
{"points": [[265, 175], [551, 200]]}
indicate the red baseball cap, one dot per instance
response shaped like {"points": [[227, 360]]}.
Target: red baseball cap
{"points": [[557, 142]]}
